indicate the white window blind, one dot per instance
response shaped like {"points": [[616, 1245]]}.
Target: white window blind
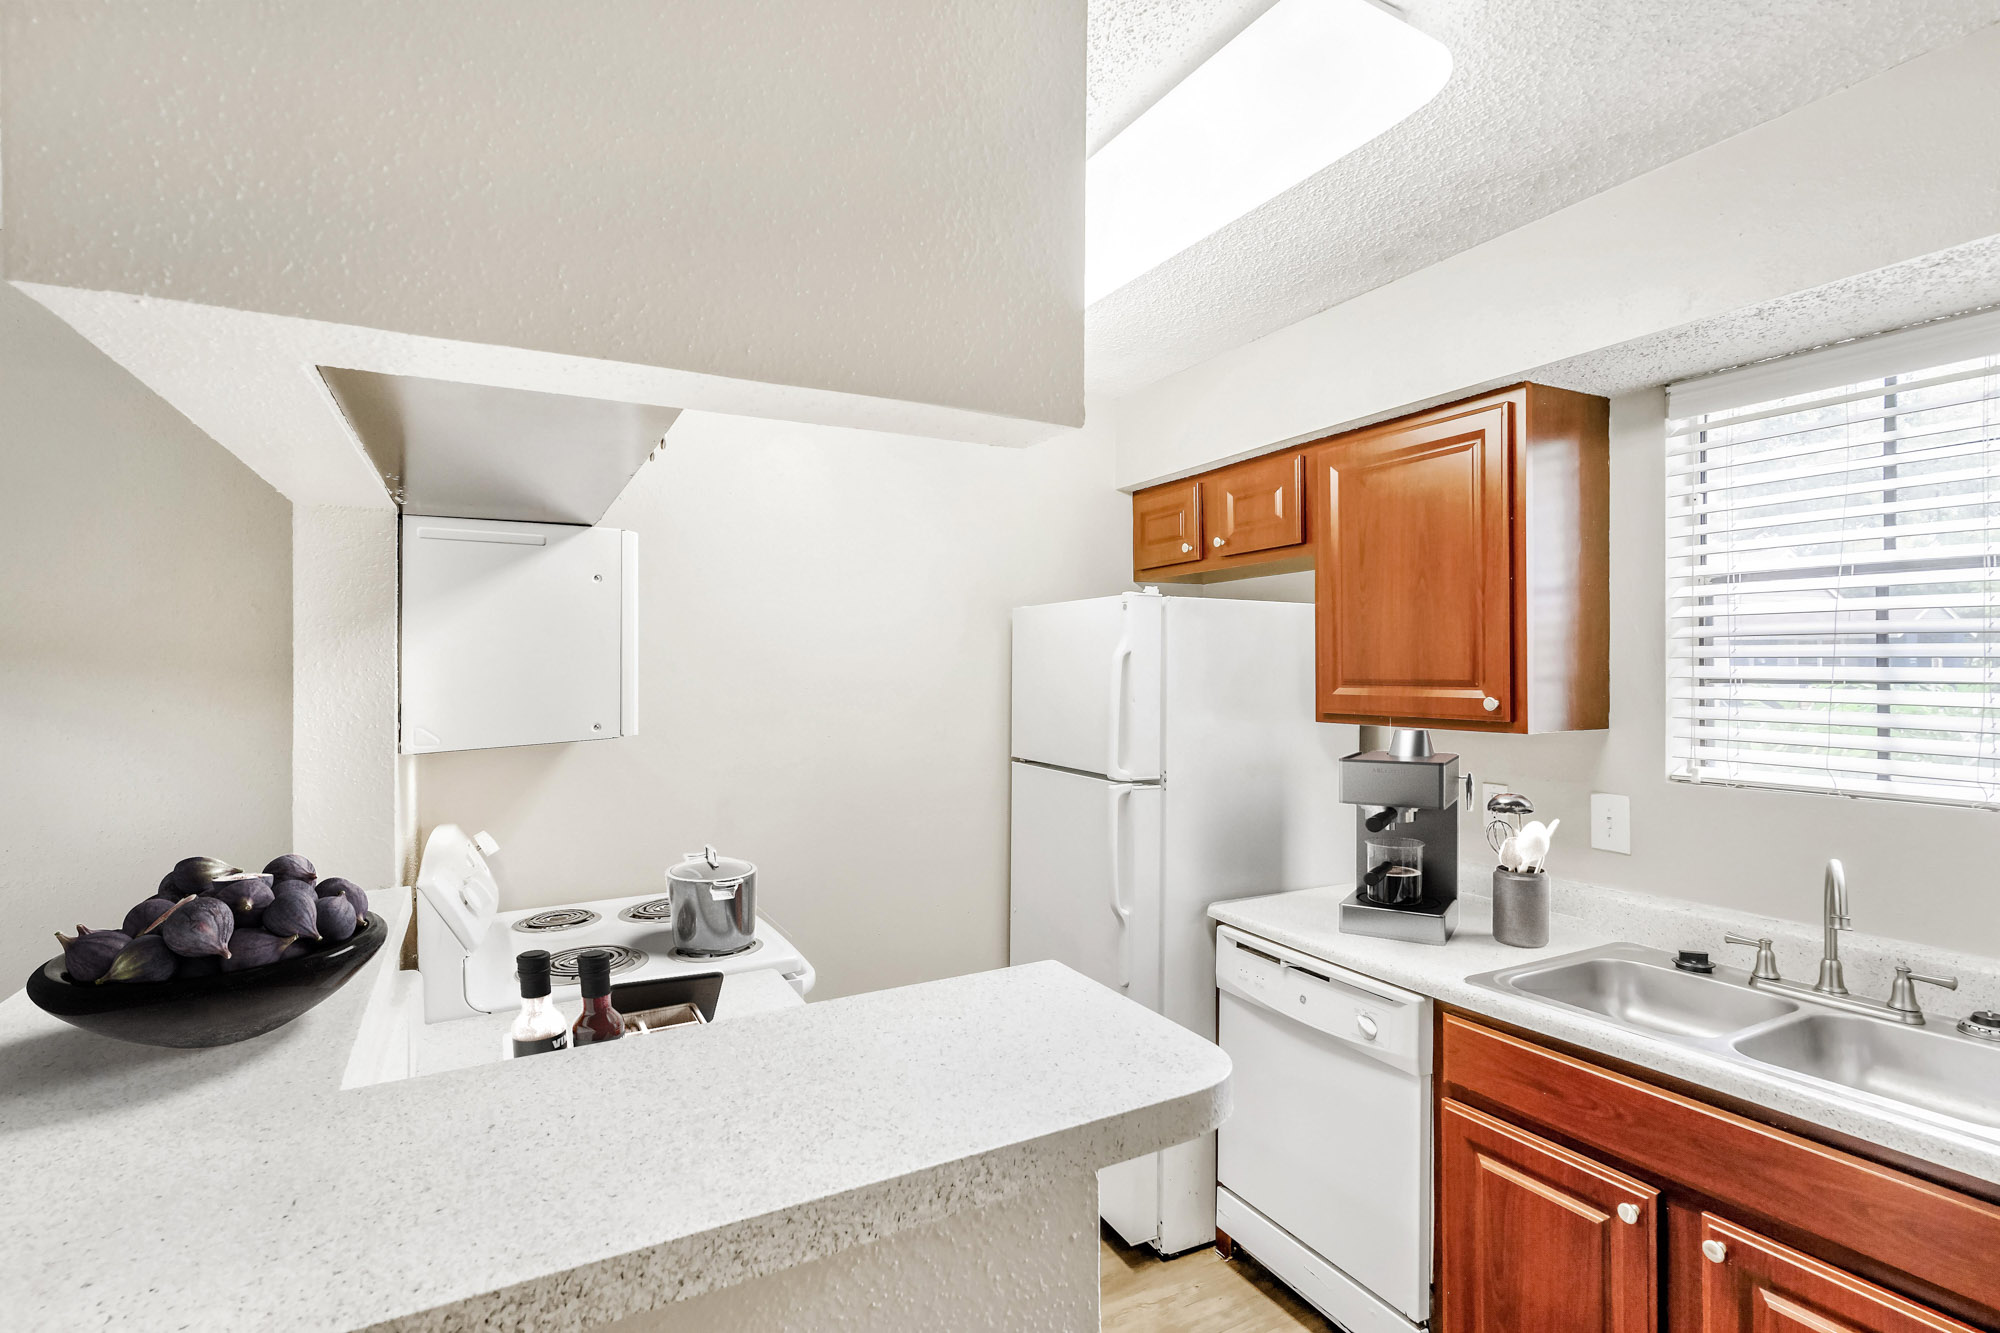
{"points": [[1833, 570]]}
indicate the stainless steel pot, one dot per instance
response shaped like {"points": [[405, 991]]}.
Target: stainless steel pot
{"points": [[715, 903]]}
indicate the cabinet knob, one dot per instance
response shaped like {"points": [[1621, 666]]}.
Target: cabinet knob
{"points": [[1628, 1213], [1216, 540], [1365, 1026], [1715, 1250], [1490, 704], [1185, 548]]}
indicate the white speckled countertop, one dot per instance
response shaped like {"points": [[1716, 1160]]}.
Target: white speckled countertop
{"points": [[240, 1188], [1588, 916]]}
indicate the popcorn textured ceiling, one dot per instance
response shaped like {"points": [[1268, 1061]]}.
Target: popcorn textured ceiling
{"points": [[1549, 102]]}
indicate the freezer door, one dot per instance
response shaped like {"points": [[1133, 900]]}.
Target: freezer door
{"points": [[1085, 878], [1087, 686]]}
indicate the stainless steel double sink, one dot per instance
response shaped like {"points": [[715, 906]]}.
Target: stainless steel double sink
{"points": [[1931, 1072]]}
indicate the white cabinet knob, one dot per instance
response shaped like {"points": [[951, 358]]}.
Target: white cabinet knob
{"points": [[1185, 548], [1365, 1026], [1490, 704], [1216, 540], [1628, 1212], [1715, 1250]]}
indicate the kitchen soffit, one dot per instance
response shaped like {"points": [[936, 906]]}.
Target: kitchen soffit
{"points": [[476, 451], [1549, 102]]}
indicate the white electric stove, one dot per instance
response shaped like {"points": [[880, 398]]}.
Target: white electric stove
{"points": [[466, 947]]}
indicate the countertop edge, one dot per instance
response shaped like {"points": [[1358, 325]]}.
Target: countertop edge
{"points": [[655, 1276], [1799, 1101]]}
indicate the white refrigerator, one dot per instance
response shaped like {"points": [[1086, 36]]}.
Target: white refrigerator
{"points": [[1165, 757]]}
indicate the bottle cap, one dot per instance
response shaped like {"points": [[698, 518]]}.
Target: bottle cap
{"points": [[532, 968], [593, 972]]}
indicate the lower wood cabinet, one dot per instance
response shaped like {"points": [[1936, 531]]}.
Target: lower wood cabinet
{"points": [[1750, 1284], [1537, 1237], [1573, 1198]]}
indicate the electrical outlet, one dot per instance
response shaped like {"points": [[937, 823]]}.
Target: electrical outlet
{"points": [[1488, 789], [1611, 823]]}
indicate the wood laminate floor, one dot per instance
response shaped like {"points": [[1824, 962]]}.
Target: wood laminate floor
{"points": [[1196, 1293]]}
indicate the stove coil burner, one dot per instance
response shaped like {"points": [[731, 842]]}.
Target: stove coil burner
{"points": [[659, 909], [560, 918], [738, 952], [562, 966]]}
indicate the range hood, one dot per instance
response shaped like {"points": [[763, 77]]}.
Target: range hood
{"points": [[474, 451]]}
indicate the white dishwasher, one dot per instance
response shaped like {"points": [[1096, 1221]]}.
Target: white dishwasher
{"points": [[1325, 1164]]}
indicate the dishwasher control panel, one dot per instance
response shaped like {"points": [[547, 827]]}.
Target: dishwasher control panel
{"points": [[1392, 1023]]}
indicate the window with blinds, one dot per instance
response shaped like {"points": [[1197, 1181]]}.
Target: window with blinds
{"points": [[1833, 570]]}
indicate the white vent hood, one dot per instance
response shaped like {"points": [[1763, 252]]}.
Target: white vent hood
{"points": [[475, 451]]}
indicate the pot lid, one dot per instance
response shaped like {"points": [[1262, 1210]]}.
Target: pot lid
{"points": [[708, 867]]}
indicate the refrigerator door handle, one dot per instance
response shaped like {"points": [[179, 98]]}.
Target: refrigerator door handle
{"points": [[1121, 662], [1120, 798]]}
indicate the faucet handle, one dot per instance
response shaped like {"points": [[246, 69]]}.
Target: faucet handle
{"points": [[1767, 961], [1903, 994]]}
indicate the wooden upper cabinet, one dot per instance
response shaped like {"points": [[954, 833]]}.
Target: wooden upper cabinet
{"points": [[1535, 1238], [1461, 558], [1415, 558], [1753, 1285], [1258, 505], [1166, 525]]}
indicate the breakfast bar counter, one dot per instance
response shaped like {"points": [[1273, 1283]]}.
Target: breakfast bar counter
{"points": [[789, 1168]]}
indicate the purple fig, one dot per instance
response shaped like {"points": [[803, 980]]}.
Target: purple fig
{"points": [[296, 949], [88, 954], [196, 967], [295, 885], [202, 927], [359, 897], [333, 884], [141, 918], [247, 895], [293, 912], [254, 948], [196, 873], [167, 889], [336, 917], [291, 866], [145, 959]]}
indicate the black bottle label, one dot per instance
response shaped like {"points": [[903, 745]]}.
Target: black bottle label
{"points": [[559, 1042]]}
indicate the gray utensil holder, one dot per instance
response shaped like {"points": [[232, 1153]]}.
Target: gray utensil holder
{"points": [[1521, 908]]}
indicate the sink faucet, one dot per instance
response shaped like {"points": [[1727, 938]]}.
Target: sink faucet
{"points": [[1831, 988], [1832, 977]]}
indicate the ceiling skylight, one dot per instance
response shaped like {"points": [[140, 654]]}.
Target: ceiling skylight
{"points": [[1305, 84]]}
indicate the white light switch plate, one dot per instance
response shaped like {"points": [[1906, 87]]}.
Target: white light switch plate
{"points": [[1611, 823]]}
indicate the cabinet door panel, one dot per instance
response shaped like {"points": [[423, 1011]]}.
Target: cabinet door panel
{"points": [[1166, 525], [1759, 1286], [1415, 570], [1533, 1238], [1256, 506]]}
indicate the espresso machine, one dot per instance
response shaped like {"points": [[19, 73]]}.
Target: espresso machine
{"points": [[1406, 845]]}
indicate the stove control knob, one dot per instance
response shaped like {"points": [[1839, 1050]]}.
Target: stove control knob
{"points": [[1366, 1026]]}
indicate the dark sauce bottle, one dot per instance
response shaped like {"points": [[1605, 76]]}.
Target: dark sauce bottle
{"points": [[598, 1021]]}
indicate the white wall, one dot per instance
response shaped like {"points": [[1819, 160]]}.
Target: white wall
{"points": [[345, 795], [880, 199], [824, 687], [1896, 167], [145, 643]]}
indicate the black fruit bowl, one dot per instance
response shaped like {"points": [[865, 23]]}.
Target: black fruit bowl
{"points": [[206, 1011]]}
